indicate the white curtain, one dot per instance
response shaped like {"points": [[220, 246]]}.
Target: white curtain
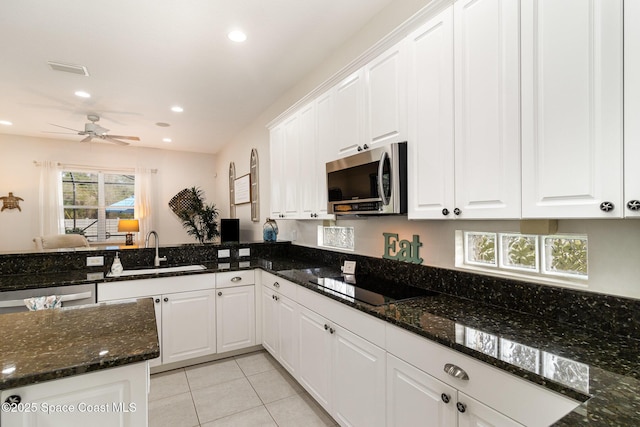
{"points": [[51, 209], [144, 194]]}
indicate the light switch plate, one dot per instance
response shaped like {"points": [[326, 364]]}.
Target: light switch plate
{"points": [[95, 276], [244, 252], [93, 261], [349, 267], [224, 253]]}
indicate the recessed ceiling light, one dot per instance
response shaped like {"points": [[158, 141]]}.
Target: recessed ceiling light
{"points": [[163, 124], [166, 139], [237, 36], [82, 94], [5, 122], [177, 109]]}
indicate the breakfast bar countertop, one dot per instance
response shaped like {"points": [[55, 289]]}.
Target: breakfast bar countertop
{"points": [[51, 344]]}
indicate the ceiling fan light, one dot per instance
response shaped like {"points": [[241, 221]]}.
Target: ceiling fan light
{"points": [[237, 36], [177, 109], [5, 123], [82, 94], [166, 139]]}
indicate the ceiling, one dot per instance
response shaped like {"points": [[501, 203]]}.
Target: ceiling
{"points": [[145, 56]]}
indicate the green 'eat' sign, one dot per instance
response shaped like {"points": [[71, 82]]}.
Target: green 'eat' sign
{"points": [[402, 250]]}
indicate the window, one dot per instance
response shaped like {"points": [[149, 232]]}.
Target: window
{"points": [[557, 255], [336, 237], [94, 202]]}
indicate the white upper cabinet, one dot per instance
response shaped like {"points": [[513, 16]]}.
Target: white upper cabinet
{"points": [[464, 123], [285, 163], [307, 188], [276, 147], [632, 108], [572, 108], [349, 115], [487, 108], [386, 95], [431, 146]]}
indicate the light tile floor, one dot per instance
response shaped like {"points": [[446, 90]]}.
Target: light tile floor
{"points": [[248, 390]]}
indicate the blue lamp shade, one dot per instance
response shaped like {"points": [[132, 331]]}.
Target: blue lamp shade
{"points": [[128, 226]]}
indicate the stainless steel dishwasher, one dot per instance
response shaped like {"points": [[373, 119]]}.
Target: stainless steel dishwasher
{"points": [[13, 301]]}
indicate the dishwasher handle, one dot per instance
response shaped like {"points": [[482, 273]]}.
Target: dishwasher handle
{"points": [[63, 298]]}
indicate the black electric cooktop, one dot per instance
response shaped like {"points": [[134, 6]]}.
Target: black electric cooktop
{"points": [[368, 289]]}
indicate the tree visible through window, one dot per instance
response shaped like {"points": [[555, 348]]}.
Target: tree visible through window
{"points": [[95, 201]]}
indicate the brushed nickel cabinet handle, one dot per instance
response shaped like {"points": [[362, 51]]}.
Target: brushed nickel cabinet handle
{"points": [[456, 371], [236, 279]]}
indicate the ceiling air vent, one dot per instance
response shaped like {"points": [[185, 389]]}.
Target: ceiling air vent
{"points": [[69, 68]]}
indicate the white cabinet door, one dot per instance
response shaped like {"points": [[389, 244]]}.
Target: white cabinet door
{"points": [[487, 107], [314, 372], [386, 94], [478, 415], [358, 377], [325, 140], [157, 305], [115, 397], [631, 108], [349, 115], [188, 325], [308, 161], [276, 148], [572, 108], [290, 165], [235, 318], [270, 330], [288, 321], [431, 145], [414, 396]]}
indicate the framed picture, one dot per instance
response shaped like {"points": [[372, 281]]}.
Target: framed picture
{"points": [[242, 189]]}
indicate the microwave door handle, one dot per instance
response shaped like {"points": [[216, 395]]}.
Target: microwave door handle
{"points": [[383, 197]]}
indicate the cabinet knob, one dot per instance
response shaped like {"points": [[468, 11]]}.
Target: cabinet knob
{"points": [[359, 148], [326, 326], [456, 371], [277, 297], [276, 284], [219, 294], [461, 407], [365, 146], [236, 279], [14, 399], [157, 300], [607, 206], [633, 205], [457, 211], [445, 211], [273, 297], [331, 330], [445, 397], [166, 299]]}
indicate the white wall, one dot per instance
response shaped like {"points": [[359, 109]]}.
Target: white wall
{"points": [[614, 257], [18, 174]]}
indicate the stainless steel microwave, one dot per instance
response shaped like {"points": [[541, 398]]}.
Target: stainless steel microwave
{"points": [[372, 182]]}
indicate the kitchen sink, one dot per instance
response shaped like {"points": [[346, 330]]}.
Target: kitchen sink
{"points": [[159, 270]]}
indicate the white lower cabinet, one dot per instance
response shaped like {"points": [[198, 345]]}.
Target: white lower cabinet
{"points": [[188, 325], [280, 327], [414, 396], [342, 371], [235, 318], [115, 397]]}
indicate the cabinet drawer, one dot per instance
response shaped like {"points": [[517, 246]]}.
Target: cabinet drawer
{"points": [[519, 399], [278, 284], [362, 324], [145, 287], [235, 278]]}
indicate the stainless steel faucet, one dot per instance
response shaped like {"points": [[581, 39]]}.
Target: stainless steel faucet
{"points": [[157, 259]]}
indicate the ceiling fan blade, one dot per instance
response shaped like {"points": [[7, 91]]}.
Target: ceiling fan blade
{"points": [[131, 138], [112, 139], [64, 133], [64, 127], [87, 139]]}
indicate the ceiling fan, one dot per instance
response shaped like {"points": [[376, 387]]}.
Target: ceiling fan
{"points": [[94, 130]]}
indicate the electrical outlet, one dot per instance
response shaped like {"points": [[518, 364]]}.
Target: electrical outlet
{"points": [[95, 261], [244, 252], [224, 253], [95, 276], [349, 267], [294, 235], [224, 266]]}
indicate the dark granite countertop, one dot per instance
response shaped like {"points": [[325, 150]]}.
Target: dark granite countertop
{"points": [[601, 370], [46, 345]]}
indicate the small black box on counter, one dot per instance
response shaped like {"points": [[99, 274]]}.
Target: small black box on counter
{"points": [[229, 230]]}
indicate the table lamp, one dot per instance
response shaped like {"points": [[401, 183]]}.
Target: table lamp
{"points": [[129, 226]]}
